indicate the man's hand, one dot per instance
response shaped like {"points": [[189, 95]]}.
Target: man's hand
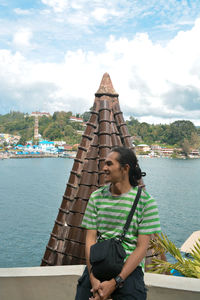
{"points": [[106, 288], [95, 286], [96, 297]]}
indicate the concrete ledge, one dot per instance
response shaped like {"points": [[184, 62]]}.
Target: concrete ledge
{"points": [[42, 271], [174, 282], [50, 283], [39, 283], [167, 287]]}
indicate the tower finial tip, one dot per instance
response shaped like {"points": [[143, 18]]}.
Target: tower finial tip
{"points": [[106, 87]]}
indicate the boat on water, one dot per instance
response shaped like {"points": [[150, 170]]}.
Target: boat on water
{"points": [[67, 154], [63, 155]]}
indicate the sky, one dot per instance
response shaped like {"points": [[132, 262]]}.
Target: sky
{"points": [[53, 54]]}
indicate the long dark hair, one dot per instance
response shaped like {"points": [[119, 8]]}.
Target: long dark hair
{"points": [[127, 156]]}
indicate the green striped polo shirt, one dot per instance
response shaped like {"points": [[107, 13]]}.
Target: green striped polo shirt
{"points": [[107, 214]]}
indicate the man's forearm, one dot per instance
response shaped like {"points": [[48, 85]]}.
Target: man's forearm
{"points": [[90, 240], [131, 263], [135, 257], [91, 237], [87, 255]]}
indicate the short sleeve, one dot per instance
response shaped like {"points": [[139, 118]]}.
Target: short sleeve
{"points": [[90, 216], [150, 221]]}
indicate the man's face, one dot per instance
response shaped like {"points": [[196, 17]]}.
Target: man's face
{"points": [[113, 170]]}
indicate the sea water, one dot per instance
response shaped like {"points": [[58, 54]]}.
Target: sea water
{"points": [[31, 192]]}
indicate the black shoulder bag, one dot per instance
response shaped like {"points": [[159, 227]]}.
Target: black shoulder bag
{"points": [[107, 257]]}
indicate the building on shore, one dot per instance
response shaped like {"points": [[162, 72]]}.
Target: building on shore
{"points": [[39, 114], [143, 148], [75, 119]]}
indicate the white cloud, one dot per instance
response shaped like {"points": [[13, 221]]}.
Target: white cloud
{"points": [[57, 5], [78, 18], [22, 38], [156, 83], [102, 14], [93, 11], [20, 11]]}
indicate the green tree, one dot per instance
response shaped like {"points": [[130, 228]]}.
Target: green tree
{"points": [[145, 131], [186, 147], [189, 267], [133, 126], [86, 116], [22, 140], [69, 131], [44, 123], [53, 132], [180, 130], [5, 144], [77, 125], [195, 140]]}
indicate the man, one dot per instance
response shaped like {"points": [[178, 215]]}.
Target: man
{"points": [[107, 211]]}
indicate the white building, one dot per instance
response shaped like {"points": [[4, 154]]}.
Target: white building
{"points": [[39, 114], [143, 147], [75, 119]]}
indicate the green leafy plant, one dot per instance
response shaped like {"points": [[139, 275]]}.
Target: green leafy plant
{"points": [[188, 267]]}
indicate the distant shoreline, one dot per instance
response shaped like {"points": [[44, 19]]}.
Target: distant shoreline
{"points": [[169, 157], [41, 155], [53, 155], [7, 156]]}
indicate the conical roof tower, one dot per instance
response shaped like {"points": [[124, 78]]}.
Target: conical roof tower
{"points": [[105, 129]]}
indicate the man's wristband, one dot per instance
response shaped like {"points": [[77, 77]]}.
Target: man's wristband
{"points": [[119, 282]]}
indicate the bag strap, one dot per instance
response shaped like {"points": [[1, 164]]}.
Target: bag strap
{"points": [[130, 216]]}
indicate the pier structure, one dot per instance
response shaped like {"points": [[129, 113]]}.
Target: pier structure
{"points": [[105, 129]]}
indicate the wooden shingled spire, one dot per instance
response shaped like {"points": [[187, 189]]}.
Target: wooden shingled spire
{"points": [[105, 129]]}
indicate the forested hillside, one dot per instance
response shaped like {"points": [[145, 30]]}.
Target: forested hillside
{"points": [[59, 127], [180, 133], [56, 127]]}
